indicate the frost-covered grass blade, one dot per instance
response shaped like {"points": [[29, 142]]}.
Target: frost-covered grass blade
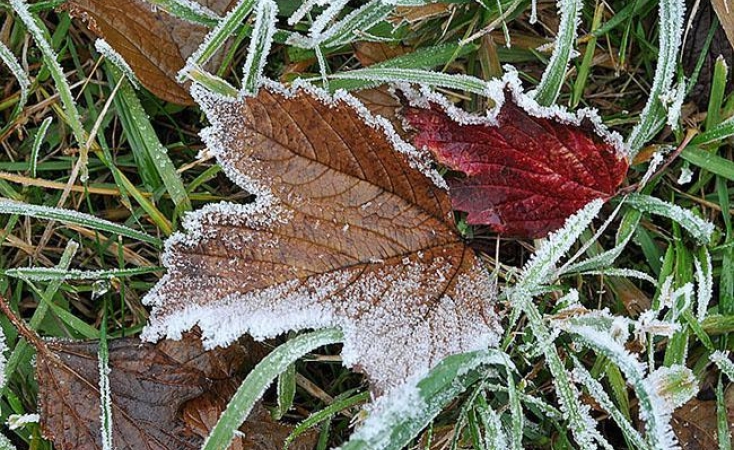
{"points": [[259, 379], [75, 218]]}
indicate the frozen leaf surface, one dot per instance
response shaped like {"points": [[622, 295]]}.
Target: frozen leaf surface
{"points": [[148, 385], [154, 43], [526, 168], [346, 232]]}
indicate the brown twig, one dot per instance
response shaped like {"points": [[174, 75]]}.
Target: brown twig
{"points": [[23, 329]]}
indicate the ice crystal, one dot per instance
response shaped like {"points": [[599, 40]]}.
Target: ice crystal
{"points": [[18, 421], [705, 281]]}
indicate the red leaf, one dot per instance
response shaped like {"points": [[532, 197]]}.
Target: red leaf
{"points": [[525, 174]]}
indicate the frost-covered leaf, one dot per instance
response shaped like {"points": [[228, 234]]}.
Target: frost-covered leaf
{"points": [[148, 384], [527, 170], [153, 42], [349, 230]]}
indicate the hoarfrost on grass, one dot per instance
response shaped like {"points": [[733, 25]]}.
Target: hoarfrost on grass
{"points": [[555, 72], [37, 142], [5, 443], [19, 421], [216, 37], [105, 397], [596, 390], [542, 265], [24, 83], [671, 16], [3, 361], [722, 361], [686, 175], [705, 282], [404, 402], [261, 40], [106, 50], [195, 7], [654, 393], [62, 85], [701, 229]]}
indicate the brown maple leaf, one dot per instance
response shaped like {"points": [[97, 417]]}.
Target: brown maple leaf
{"points": [[346, 232], [148, 385], [527, 168], [154, 43]]}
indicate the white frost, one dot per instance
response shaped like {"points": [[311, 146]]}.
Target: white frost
{"points": [[18, 421], [106, 50], [496, 90]]}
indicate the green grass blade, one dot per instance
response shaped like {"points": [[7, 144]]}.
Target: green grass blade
{"points": [[585, 67], [143, 139], [213, 83], [653, 114], [395, 75], [550, 84], [314, 419], [7, 57], [50, 60], [360, 20], [22, 349], [424, 58], [286, 390], [723, 427], [596, 390], [216, 38], [258, 381], [719, 132], [105, 395], [111, 55], [61, 274], [399, 417], [188, 10], [709, 161], [718, 90], [262, 38], [74, 218], [37, 142], [699, 228]]}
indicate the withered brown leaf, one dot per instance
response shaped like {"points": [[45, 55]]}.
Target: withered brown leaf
{"points": [[148, 383], [154, 43], [346, 232], [695, 422]]}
